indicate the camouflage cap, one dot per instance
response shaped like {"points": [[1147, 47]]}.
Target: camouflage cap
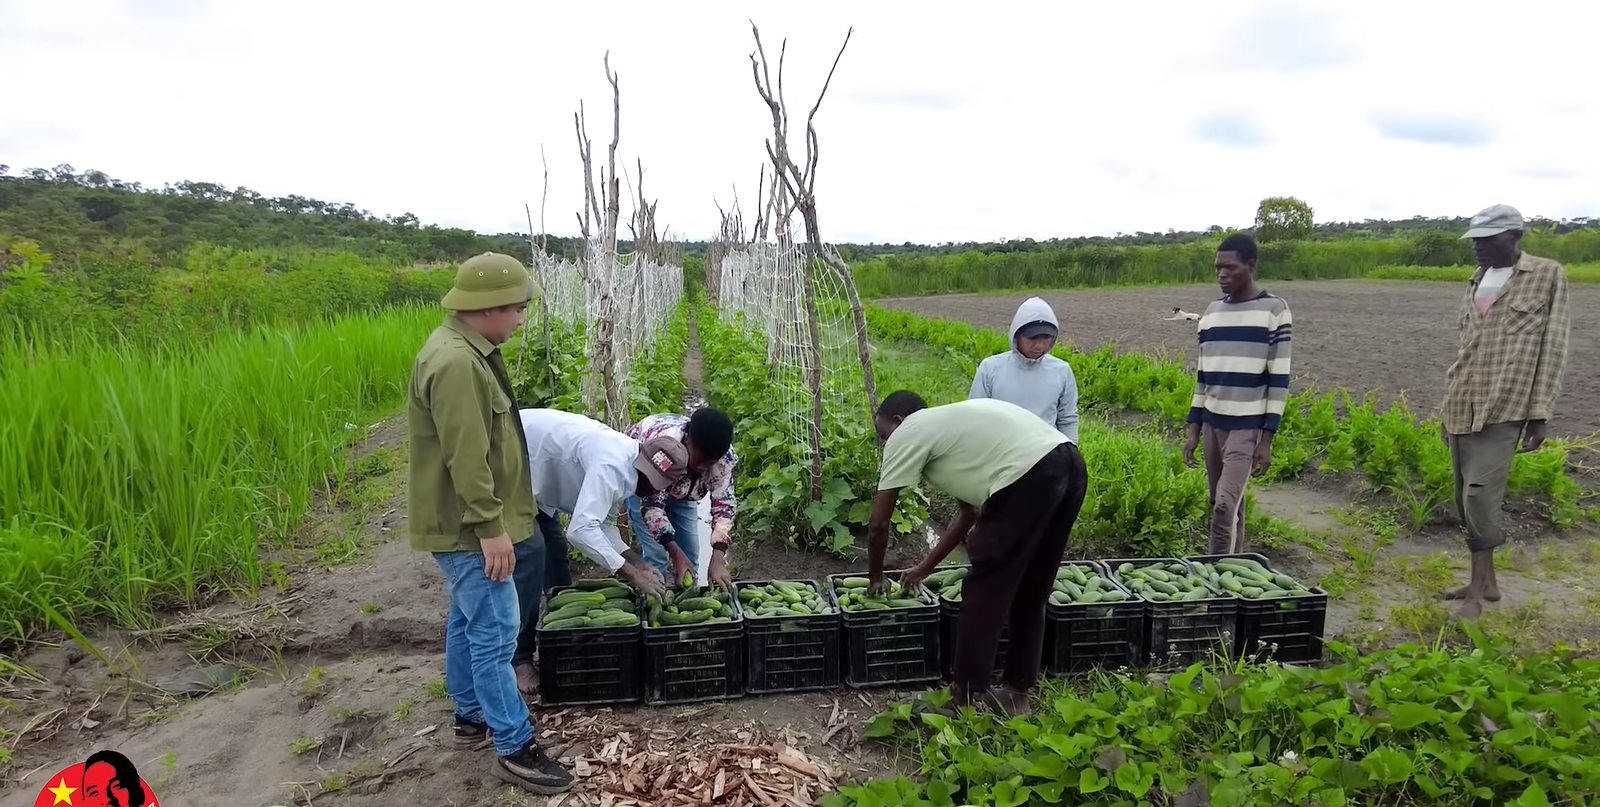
{"points": [[489, 280]]}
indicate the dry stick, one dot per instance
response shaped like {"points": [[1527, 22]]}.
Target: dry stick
{"points": [[544, 250]]}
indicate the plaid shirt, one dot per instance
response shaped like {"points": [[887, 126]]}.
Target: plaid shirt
{"points": [[1511, 359], [716, 482]]}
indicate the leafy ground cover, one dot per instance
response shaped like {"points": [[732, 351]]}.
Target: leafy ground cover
{"points": [[1411, 725]]}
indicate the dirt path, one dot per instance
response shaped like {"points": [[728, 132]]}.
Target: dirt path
{"points": [[1392, 337]]}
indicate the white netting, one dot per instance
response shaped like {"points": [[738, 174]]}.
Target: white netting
{"points": [[623, 303], [765, 283]]}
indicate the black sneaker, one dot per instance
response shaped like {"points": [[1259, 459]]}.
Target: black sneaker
{"points": [[470, 735], [533, 770]]}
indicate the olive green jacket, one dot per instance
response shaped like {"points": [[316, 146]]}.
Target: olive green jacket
{"points": [[469, 477]]}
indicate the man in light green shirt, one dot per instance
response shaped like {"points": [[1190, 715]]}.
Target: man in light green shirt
{"points": [[1021, 483]]}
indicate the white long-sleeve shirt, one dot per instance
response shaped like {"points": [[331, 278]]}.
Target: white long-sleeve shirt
{"points": [[583, 468]]}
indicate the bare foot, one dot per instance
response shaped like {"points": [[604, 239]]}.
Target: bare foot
{"points": [[527, 682], [1470, 609], [1490, 593]]}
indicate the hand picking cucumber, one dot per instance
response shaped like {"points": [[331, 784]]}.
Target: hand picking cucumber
{"points": [[854, 597], [781, 598], [1163, 581], [1081, 585], [1249, 579]]}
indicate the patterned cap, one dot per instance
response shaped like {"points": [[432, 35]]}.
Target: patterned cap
{"points": [[663, 460]]}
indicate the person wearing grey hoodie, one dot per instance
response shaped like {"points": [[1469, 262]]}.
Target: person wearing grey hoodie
{"points": [[1028, 376]]}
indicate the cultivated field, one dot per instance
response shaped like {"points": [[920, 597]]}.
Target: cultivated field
{"points": [[1391, 337]]}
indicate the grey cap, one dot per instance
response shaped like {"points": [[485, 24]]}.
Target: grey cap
{"points": [[1494, 220], [1036, 328]]}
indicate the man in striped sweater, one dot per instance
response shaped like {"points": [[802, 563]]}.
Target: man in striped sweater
{"points": [[1241, 386]]}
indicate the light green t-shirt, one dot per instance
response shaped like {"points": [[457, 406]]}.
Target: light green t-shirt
{"points": [[970, 450]]}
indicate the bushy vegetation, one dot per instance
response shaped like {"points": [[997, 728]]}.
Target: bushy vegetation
{"points": [[1192, 262], [205, 291], [1406, 726], [91, 215]]}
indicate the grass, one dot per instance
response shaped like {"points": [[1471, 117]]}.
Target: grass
{"points": [[301, 746], [131, 478]]}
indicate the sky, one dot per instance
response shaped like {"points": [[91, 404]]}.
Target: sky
{"points": [[989, 121]]}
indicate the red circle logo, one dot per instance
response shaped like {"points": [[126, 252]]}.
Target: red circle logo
{"points": [[107, 779]]}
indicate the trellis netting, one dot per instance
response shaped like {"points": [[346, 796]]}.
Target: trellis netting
{"points": [[762, 289], [617, 304]]}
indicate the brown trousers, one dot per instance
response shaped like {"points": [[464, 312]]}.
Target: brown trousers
{"points": [[1482, 462], [1015, 549], [1228, 455]]}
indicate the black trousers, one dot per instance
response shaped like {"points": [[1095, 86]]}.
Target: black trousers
{"points": [[1015, 548]]}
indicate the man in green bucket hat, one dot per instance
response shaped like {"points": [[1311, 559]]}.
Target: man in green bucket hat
{"points": [[471, 504]]}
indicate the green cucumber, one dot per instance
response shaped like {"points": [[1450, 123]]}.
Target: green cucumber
{"points": [[569, 597]]}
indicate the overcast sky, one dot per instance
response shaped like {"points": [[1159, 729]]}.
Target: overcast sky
{"points": [[992, 120]]}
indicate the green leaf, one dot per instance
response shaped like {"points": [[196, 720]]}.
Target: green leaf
{"points": [[1135, 779], [819, 514], [1534, 796], [1407, 716], [1387, 765], [1090, 781], [882, 725]]}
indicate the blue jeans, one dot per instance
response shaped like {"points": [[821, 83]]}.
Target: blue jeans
{"points": [[542, 564], [479, 635], [685, 520]]}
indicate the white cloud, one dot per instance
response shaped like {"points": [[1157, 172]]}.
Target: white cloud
{"points": [[1000, 120]]}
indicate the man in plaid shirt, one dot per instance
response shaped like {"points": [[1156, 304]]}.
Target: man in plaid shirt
{"points": [[1503, 385]]}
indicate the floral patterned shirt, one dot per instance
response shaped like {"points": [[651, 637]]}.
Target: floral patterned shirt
{"points": [[716, 482]]}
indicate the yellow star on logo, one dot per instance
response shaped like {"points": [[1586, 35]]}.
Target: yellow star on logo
{"points": [[62, 792]]}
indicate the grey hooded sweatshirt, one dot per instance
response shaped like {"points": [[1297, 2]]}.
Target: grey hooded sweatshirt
{"points": [[1043, 386]]}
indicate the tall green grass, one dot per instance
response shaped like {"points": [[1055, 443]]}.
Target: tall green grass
{"points": [[132, 477]]}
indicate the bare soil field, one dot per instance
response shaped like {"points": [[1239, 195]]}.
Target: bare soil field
{"points": [[1393, 338]]}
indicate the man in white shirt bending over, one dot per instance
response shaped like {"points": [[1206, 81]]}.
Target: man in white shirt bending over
{"points": [[586, 470]]}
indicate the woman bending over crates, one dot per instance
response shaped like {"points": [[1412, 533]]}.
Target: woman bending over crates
{"points": [[1021, 483]]}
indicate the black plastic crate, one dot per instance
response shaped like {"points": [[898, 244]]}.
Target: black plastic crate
{"points": [[589, 666], [1286, 629], [896, 646], [949, 622], [1087, 636], [690, 663], [792, 653], [1180, 633]]}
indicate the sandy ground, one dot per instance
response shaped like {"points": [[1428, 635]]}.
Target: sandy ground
{"points": [[1391, 337]]}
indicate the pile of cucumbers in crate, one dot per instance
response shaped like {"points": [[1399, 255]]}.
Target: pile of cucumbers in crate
{"points": [[591, 604], [1248, 579], [781, 598], [1077, 583]]}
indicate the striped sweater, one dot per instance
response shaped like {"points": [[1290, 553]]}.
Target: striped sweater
{"points": [[1242, 376]]}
